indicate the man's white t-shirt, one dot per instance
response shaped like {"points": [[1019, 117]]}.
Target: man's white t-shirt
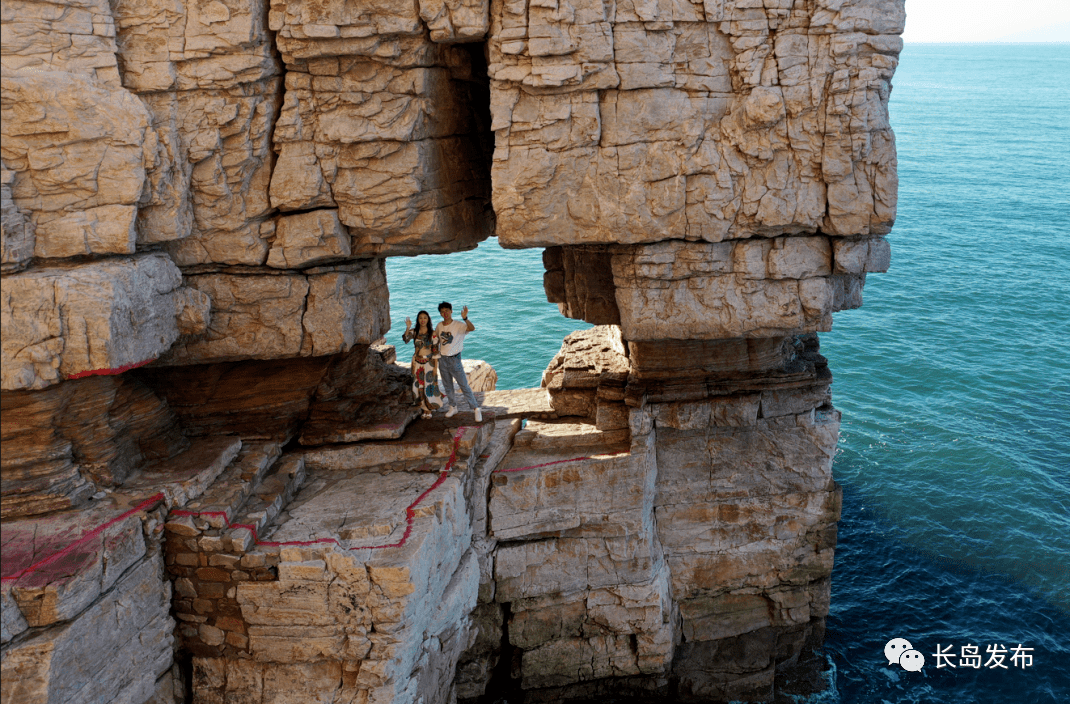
{"points": [[451, 337]]}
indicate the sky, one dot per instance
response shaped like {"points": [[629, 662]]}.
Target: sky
{"points": [[986, 20]]}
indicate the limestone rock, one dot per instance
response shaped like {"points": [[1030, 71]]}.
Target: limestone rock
{"points": [[254, 398], [425, 447], [580, 281], [309, 238], [60, 591], [518, 403], [476, 665], [11, 619], [754, 288], [182, 477], [371, 606], [81, 151], [862, 255], [98, 316], [481, 376], [99, 429], [208, 75], [706, 122], [361, 397], [383, 122], [271, 316], [223, 166], [173, 46], [77, 37], [456, 20], [587, 376], [772, 479], [16, 230], [113, 651], [669, 371], [684, 290], [603, 492], [570, 564]]}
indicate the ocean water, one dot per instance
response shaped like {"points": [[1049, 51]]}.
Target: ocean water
{"points": [[953, 379]]}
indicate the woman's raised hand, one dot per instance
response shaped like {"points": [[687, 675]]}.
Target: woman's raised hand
{"points": [[408, 323]]}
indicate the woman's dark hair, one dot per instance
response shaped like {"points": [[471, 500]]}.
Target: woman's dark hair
{"points": [[416, 327]]}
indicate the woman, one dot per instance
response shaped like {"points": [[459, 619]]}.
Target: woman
{"points": [[424, 362]]}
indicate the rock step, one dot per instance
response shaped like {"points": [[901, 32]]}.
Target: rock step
{"points": [[55, 566], [517, 403], [388, 423], [184, 477], [217, 507], [541, 435], [426, 446], [266, 502], [325, 511], [572, 480]]}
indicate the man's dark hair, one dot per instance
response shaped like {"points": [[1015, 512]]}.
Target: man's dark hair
{"points": [[445, 304]]}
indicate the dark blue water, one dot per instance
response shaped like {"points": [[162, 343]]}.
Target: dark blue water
{"points": [[954, 382], [953, 379]]}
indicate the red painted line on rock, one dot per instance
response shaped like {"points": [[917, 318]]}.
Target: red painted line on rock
{"points": [[410, 512], [108, 372], [36, 567], [536, 466]]}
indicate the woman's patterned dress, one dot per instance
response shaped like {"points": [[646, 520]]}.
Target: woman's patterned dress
{"points": [[424, 374]]}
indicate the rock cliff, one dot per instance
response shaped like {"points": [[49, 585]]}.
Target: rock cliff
{"points": [[215, 487]]}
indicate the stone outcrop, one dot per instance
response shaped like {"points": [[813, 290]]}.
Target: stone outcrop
{"points": [[384, 127], [107, 315], [698, 121], [64, 443], [279, 315], [213, 473]]}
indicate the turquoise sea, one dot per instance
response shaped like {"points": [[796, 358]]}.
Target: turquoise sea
{"points": [[953, 379]]}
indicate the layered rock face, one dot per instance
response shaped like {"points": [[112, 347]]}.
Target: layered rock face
{"points": [[215, 485]]}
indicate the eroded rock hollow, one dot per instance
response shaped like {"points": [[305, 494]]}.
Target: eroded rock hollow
{"points": [[215, 488]]}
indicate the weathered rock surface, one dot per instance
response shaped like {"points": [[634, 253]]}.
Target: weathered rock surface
{"points": [[16, 230], [81, 151], [688, 121], [280, 315], [392, 147], [113, 651], [86, 605], [208, 76], [254, 399], [587, 377], [63, 443], [77, 37], [59, 321], [213, 206], [679, 290]]}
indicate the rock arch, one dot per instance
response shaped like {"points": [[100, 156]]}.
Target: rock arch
{"points": [[197, 202]]}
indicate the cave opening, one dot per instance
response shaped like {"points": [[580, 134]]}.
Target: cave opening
{"points": [[517, 329]]}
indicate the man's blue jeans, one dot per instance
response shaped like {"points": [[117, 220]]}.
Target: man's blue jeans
{"points": [[451, 368]]}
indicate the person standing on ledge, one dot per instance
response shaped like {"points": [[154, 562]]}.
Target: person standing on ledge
{"points": [[451, 334]]}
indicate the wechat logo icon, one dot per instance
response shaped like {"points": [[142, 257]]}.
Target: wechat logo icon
{"points": [[900, 651]]}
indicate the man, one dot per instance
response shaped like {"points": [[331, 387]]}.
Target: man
{"points": [[450, 343]]}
